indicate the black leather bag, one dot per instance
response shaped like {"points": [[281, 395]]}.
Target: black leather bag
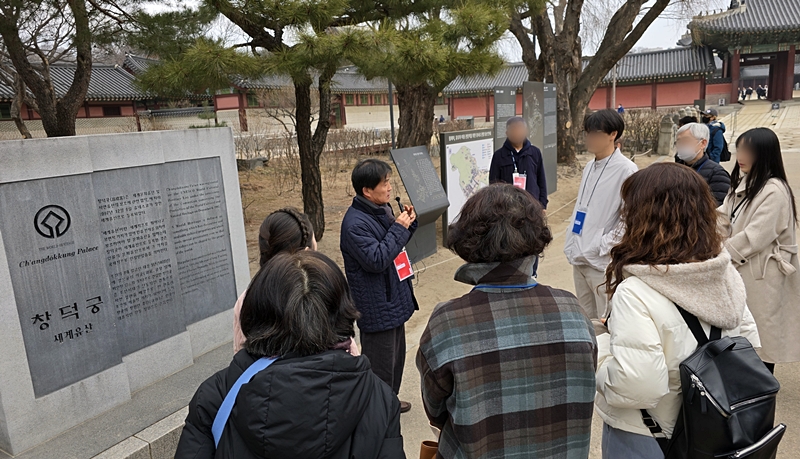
{"points": [[728, 408]]}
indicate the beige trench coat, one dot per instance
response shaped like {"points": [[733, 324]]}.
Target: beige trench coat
{"points": [[763, 247]]}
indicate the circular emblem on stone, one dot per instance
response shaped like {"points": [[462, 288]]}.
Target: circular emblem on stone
{"points": [[52, 221]]}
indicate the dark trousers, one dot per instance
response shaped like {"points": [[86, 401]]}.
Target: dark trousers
{"points": [[386, 352]]}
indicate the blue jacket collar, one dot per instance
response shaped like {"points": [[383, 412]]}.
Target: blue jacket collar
{"points": [[363, 204]]}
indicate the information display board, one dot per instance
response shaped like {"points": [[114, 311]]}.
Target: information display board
{"points": [[505, 107], [466, 157], [427, 196], [540, 112]]}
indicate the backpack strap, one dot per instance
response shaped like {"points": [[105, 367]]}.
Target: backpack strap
{"points": [[700, 335], [224, 411], [697, 329]]}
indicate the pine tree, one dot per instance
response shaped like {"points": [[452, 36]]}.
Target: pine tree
{"points": [[306, 40], [423, 46]]}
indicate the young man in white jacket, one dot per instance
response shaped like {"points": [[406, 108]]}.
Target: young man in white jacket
{"points": [[671, 254], [595, 226]]}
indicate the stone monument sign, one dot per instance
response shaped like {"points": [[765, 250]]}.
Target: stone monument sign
{"points": [[427, 195], [120, 259]]}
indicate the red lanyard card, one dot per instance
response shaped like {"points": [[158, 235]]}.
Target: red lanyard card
{"points": [[520, 180], [403, 266]]}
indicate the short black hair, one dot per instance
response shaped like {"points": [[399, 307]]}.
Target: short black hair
{"points": [[686, 120], [369, 173], [298, 303], [499, 223], [515, 120], [606, 121]]}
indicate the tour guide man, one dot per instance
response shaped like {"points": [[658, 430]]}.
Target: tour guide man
{"points": [[371, 239], [519, 163]]}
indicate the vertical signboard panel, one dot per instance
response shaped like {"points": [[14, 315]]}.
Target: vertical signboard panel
{"points": [[540, 113], [505, 107]]}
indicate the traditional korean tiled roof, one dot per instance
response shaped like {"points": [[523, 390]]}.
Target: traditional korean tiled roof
{"points": [[107, 83], [670, 63], [512, 75], [265, 82], [346, 80], [753, 16], [749, 22], [137, 64]]}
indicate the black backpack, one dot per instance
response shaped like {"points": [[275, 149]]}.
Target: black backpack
{"points": [[725, 154], [728, 406]]}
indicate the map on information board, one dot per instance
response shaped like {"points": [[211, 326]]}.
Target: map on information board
{"points": [[466, 157]]}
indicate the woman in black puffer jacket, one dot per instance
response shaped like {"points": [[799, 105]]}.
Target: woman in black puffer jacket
{"points": [[316, 400]]}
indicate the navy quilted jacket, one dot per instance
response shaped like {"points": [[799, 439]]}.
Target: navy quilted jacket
{"points": [[370, 241]]}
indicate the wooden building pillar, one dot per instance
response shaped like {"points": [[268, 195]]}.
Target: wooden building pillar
{"points": [[654, 95], [788, 80], [734, 66]]}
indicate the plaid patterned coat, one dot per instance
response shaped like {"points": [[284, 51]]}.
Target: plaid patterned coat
{"points": [[509, 372]]}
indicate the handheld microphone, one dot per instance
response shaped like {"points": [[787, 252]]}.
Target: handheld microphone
{"points": [[400, 206]]}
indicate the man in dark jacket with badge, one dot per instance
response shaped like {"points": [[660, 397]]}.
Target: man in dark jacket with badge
{"points": [[520, 163], [690, 149], [373, 244]]}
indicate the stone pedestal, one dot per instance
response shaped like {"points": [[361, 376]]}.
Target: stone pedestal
{"points": [[666, 135], [120, 259]]}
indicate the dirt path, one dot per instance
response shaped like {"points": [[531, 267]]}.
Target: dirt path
{"points": [[264, 193]]}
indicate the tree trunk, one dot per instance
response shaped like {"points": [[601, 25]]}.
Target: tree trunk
{"points": [[416, 103], [311, 146], [16, 108], [58, 114]]}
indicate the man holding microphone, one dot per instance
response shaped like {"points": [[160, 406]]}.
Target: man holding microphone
{"points": [[378, 270]]}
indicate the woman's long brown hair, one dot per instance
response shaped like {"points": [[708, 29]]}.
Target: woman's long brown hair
{"points": [[670, 217]]}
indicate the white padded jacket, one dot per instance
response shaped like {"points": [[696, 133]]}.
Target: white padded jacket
{"points": [[638, 361]]}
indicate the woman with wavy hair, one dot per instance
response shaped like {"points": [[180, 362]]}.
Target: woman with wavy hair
{"points": [[670, 258]]}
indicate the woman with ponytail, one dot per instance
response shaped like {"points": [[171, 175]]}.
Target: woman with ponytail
{"points": [[285, 230]]}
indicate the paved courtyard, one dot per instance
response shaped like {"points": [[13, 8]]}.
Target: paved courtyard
{"points": [[555, 271]]}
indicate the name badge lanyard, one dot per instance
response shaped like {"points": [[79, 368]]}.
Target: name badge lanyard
{"points": [[736, 209], [514, 159], [580, 213], [580, 204]]}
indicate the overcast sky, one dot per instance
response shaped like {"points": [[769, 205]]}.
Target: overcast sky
{"points": [[663, 33]]}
